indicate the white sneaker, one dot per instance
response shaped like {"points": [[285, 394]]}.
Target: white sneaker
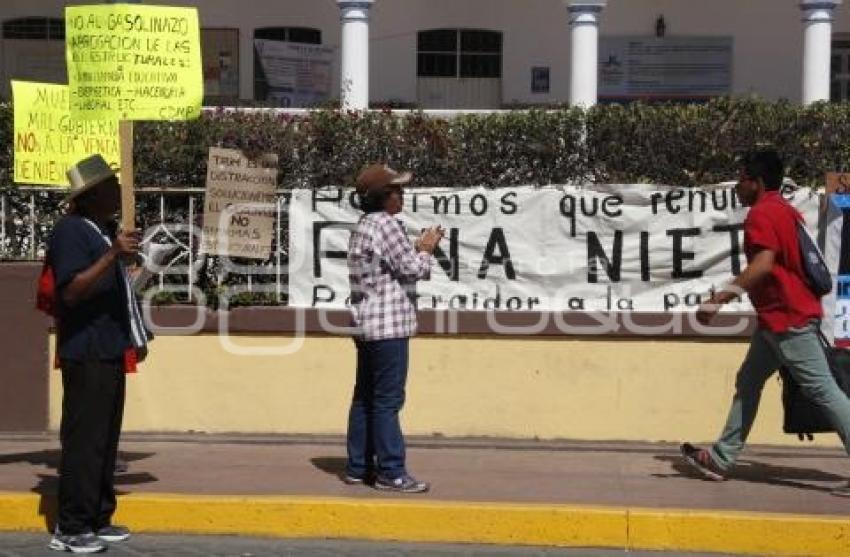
{"points": [[86, 542]]}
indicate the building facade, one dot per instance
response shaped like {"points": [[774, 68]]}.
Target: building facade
{"points": [[493, 53]]}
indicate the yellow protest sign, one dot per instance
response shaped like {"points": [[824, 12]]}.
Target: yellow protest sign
{"points": [[134, 62], [48, 140]]}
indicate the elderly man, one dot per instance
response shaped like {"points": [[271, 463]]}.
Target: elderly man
{"points": [[383, 269], [99, 334]]}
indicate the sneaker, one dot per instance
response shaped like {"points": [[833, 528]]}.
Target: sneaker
{"points": [[113, 533], [353, 480], [842, 491], [78, 543], [701, 461], [403, 484]]}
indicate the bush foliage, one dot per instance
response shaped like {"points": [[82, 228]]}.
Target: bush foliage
{"points": [[678, 144]]}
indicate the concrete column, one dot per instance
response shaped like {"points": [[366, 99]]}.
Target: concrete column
{"points": [[817, 48], [354, 81], [584, 35]]}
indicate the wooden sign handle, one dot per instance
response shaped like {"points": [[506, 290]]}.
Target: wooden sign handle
{"points": [[128, 194]]}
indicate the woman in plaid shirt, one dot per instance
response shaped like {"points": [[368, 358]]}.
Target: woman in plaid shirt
{"points": [[383, 269]]}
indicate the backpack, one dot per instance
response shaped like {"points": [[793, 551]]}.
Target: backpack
{"points": [[815, 270], [45, 294]]}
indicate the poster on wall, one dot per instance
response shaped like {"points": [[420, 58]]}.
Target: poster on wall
{"points": [[298, 74], [540, 79], [638, 67], [594, 248], [239, 205]]}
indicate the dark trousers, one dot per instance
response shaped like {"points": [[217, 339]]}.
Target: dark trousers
{"points": [[92, 410], [374, 431]]}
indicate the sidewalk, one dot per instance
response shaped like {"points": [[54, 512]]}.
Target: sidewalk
{"points": [[628, 496]]}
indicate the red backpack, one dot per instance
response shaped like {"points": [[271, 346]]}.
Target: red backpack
{"points": [[45, 295]]}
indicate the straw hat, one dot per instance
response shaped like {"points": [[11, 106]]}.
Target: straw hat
{"points": [[87, 174]]}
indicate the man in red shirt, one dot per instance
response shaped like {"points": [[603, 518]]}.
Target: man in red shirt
{"points": [[788, 317]]}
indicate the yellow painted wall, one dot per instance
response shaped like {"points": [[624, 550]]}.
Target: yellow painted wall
{"points": [[641, 390]]}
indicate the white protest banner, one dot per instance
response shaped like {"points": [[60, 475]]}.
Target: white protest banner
{"points": [[640, 248], [240, 204], [298, 74]]}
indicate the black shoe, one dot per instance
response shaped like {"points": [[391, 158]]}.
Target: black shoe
{"points": [[78, 543], [701, 461], [402, 484], [113, 533]]}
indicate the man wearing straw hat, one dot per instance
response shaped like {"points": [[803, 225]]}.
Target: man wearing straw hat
{"points": [[100, 335], [383, 270]]}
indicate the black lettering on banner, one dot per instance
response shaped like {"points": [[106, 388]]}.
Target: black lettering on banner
{"points": [[611, 206], [441, 204], [734, 243], [318, 197], [576, 304], [788, 193], [569, 207], [644, 256], [655, 199], [703, 200], [497, 239], [596, 253], [478, 204], [353, 200], [509, 207], [318, 254], [322, 293], [679, 255], [723, 202], [451, 263], [673, 195]]}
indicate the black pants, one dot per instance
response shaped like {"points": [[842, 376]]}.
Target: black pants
{"points": [[92, 410]]}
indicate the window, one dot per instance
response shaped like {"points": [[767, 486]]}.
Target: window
{"points": [[32, 49], [303, 35], [459, 53], [220, 59], [840, 71], [44, 28]]}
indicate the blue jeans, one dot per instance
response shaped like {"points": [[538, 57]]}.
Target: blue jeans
{"points": [[374, 431], [799, 350]]}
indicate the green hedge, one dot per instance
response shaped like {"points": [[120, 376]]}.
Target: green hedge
{"points": [[676, 144]]}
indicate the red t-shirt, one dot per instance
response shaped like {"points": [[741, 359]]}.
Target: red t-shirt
{"points": [[782, 300]]}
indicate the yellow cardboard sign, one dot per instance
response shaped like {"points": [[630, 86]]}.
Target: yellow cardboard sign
{"points": [[134, 62], [48, 140]]}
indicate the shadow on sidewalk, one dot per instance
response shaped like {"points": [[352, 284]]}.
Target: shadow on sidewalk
{"points": [[759, 472], [47, 485], [333, 465]]}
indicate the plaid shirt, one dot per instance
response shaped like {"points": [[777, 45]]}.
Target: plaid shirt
{"points": [[383, 268]]}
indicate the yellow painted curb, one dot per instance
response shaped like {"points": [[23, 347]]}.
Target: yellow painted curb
{"points": [[440, 521]]}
